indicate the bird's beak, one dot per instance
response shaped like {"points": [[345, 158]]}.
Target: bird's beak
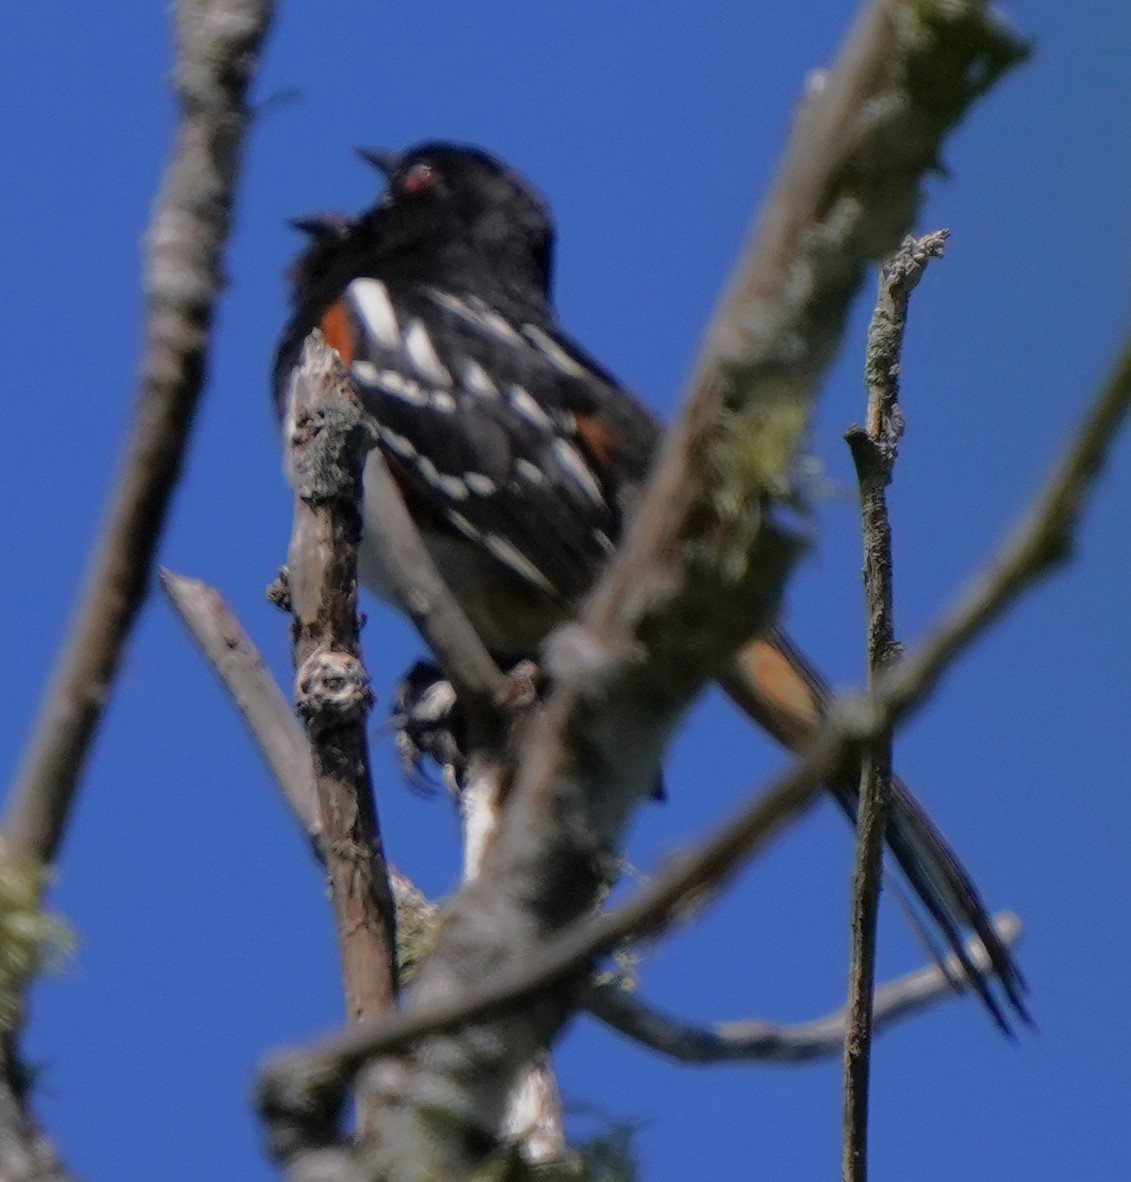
{"points": [[385, 162]]}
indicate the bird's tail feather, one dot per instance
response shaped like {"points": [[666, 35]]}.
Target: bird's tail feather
{"points": [[775, 684]]}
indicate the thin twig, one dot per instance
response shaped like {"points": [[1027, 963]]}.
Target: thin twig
{"points": [[282, 741], [874, 451], [754, 1040], [218, 50], [328, 443], [270, 720], [533, 1109], [296, 1084]]}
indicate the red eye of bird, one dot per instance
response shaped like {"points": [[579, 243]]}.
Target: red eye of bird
{"points": [[419, 179]]}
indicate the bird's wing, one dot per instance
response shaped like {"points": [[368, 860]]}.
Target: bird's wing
{"points": [[499, 426]]}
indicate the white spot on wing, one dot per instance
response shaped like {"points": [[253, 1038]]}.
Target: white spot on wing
{"points": [[482, 486], [399, 443], [462, 524], [453, 303], [486, 317], [365, 372], [552, 351], [442, 401], [370, 299], [478, 380], [505, 552], [422, 355], [395, 384], [570, 459], [478, 312], [526, 406], [428, 470], [503, 329], [530, 472], [452, 487]]}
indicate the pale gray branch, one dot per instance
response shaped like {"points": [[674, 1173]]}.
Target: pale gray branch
{"points": [[270, 720], [233, 658], [218, 44], [754, 1040]]}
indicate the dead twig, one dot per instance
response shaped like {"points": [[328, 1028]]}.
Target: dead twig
{"points": [[236, 661], [757, 1041], [328, 443], [874, 449], [218, 44]]}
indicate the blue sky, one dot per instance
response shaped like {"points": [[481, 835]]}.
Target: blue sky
{"points": [[204, 934]]}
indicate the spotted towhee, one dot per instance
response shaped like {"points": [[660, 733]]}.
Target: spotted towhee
{"points": [[520, 457]]}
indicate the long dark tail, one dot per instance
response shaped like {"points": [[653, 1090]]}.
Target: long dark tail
{"points": [[775, 684]]}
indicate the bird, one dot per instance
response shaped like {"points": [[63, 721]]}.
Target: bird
{"points": [[520, 457]]}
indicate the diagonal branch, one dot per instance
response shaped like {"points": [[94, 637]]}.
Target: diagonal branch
{"points": [[218, 50], [534, 1112], [218, 47], [757, 1041], [266, 711]]}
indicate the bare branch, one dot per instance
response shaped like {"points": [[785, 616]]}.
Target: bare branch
{"points": [[269, 717], [328, 444], [278, 734], [874, 451], [217, 52], [753, 1040], [300, 1091], [533, 1109]]}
